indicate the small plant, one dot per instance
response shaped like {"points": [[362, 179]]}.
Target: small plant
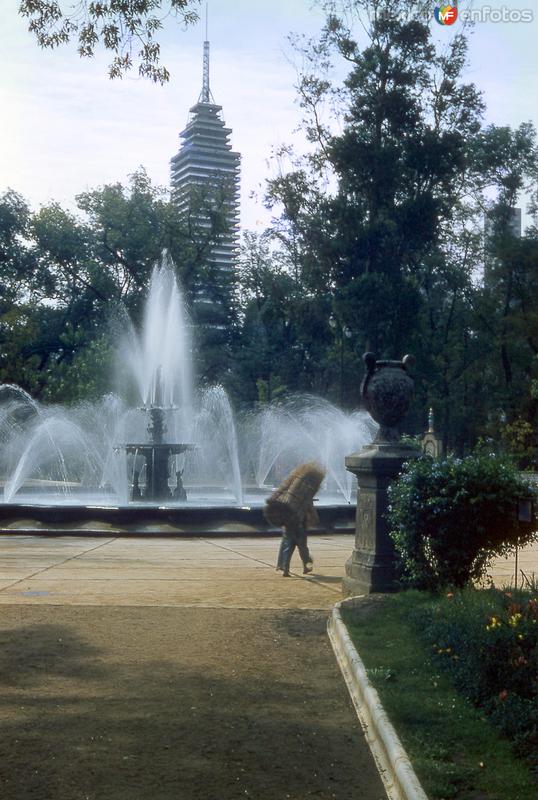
{"points": [[529, 582], [450, 517], [488, 641]]}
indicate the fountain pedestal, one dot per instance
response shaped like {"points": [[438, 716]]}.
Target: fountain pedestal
{"points": [[157, 458], [386, 390], [156, 454]]}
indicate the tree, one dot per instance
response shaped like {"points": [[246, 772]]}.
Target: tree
{"points": [[265, 344], [20, 291], [372, 202], [17, 265], [284, 328], [507, 305], [87, 375], [478, 316], [128, 233], [126, 28], [384, 216]]}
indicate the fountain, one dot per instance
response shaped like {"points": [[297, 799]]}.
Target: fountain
{"points": [[156, 454], [160, 454]]}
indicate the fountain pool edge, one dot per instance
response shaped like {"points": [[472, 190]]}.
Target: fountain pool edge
{"points": [[152, 520]]}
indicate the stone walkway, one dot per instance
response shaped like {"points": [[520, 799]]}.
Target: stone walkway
{"points": [[214, 573]]}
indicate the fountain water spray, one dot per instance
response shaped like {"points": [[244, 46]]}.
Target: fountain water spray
{"points": [[180, 441]]}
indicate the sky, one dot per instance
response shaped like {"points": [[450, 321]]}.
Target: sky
{"points": [[66, 127]]}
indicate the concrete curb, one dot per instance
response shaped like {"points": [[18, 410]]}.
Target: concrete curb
{"points": [[395, 768]]}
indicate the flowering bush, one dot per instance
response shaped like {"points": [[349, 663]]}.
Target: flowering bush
{"points": [[450, 517], [488, 641]]}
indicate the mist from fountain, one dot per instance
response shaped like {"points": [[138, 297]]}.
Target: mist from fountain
{"points": [[309, 429], [58, 450], [216, 438]]}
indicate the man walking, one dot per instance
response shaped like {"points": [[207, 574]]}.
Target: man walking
{"points": [[292, 506]]}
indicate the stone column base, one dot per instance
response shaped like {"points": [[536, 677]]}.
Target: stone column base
{"points": [[365, 575], [371, 567]]}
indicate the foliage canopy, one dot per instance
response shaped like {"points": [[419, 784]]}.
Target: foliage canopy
{"points": [[127, 28]]}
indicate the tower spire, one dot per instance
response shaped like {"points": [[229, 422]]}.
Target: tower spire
{"points": [[205, 94]]}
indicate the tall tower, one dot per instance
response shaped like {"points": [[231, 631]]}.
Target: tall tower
{"points": [[205, 184]]}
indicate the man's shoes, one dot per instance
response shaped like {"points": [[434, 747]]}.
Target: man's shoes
{"points": [[308, 567], [286, 574]]}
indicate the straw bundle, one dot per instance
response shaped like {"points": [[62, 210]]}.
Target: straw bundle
{"points": [[292, 501]]}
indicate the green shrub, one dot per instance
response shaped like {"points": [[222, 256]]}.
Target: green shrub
{"points": [[449, 518]]}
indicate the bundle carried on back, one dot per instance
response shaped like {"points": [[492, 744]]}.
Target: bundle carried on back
{"points": [[292, 501]]}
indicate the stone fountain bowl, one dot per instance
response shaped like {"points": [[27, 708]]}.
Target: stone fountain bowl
{"points": [[206, 513]]}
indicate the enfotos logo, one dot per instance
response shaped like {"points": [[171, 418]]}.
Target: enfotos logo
{"points": [[489, 13], [446, 13]]}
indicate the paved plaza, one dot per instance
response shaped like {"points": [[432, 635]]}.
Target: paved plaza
{"points": [[213, 573]]}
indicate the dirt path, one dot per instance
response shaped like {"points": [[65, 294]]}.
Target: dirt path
{"points": [[155, 703]]}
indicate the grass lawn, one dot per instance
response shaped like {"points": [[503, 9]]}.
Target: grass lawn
{"points": [[455, 750]]}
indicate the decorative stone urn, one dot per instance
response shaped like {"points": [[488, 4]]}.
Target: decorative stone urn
{"points": [[387, 389]]}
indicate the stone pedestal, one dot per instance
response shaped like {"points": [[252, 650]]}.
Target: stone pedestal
{"points": [[371, 565]]}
